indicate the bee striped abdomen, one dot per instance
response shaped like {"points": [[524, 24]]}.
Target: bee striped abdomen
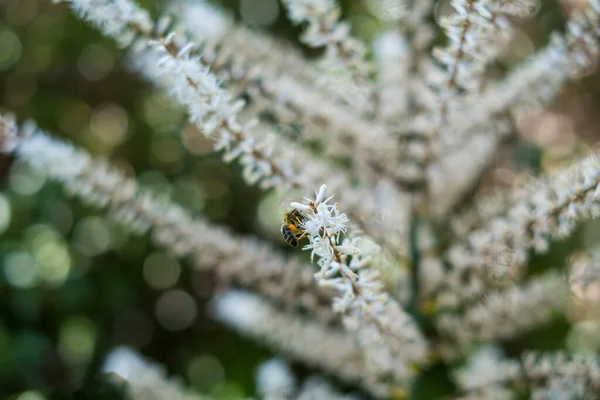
{"points": [[289, 236]]}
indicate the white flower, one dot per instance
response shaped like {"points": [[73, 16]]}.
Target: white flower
{"points": [[381, 326]]}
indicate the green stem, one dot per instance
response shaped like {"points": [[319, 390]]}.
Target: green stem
{"points": [[415, 259]]}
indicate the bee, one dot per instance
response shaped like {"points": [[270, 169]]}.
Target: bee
{"points": [[292, 230]]}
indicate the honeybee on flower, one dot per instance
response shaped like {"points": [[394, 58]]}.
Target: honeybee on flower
{"points": [[292, 229]]}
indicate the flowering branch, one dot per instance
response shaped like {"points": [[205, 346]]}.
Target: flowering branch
{"points": [[146, 380], [342, 52], [328, 349], [508, 313], [537, 80], [476, 33], [387, 335], [551, 210]]}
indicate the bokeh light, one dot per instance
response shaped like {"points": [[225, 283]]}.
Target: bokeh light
{"points": [[175, 310], [51, 253], [591, 233], [584, 337], [215, 179], [10, 49], [228, 390], [59, 215], [194, 141], [269, 215], [20, 12], [155, 182], [519, 48], [167, 150], [95, 62], [20, 88], [133, 327], [189, 193], [161, 271], [21, 269], [76, 340], [5, 213], [160, 113], [74, 116], [36, 57], [108, 125], [92, 236], [219, 194], [30, 395], [24, 180], [205, 372]]}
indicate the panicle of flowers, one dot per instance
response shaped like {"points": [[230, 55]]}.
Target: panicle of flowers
{"points": [[466, 30], [500, 14], [145, 380], [477, 32], [538, 79], [331, 350], [386, 333], [342, 51], [552, 209], [215, 113], [507, 313]]}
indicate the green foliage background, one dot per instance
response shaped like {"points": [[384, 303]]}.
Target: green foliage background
{"points": [[90, 293]]}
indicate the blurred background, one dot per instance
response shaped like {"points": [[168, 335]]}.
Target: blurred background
{"points": [[73, 285]]}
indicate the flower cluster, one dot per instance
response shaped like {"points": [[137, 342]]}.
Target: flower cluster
{"points": [[386, 333], [343, 53], [477, 32]]}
